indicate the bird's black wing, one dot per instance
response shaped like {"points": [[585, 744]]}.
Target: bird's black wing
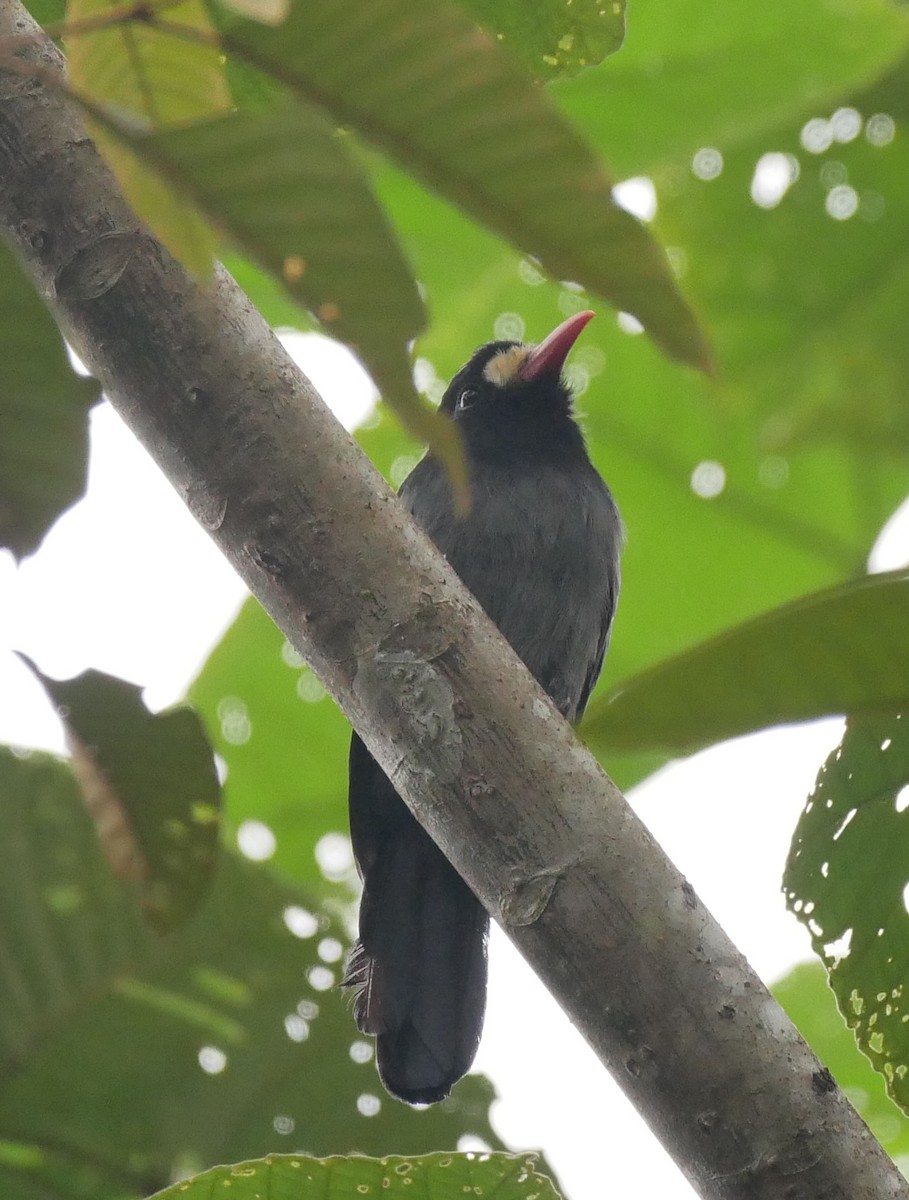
{"points": [[540, 551], [610, 600]]}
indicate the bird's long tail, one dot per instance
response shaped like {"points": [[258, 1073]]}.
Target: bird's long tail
{"points": [[419, 968]]}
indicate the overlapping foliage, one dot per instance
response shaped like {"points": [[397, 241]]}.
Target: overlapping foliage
{"points": [[774, 148]]}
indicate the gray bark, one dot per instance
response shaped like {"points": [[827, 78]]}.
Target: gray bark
{"points": [[519, 806]]}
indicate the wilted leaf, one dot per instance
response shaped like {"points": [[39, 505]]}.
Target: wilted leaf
{"points": [[846, 879], [150, 785]]}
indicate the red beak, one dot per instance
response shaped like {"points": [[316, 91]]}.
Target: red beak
{"points": [[549, 356]]}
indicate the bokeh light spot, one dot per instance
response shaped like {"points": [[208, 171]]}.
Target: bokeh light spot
{"points": [[842, 202], [256, 841], [212, 1060], [707, 163], [708, 479]]}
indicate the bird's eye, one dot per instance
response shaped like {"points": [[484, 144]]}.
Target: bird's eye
{"points": [[467, 399]]}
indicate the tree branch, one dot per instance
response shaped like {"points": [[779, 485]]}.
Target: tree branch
{"points": [[470, 741]]}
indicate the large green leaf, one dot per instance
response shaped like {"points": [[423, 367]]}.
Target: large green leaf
{"points": [[437, 1177], [808, 1000], [423, 84], [846, 879], [126, 1057], [844, 650], [43, 415], [150, 784]]}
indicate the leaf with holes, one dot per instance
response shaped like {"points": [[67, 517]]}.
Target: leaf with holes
{"points": [[152, 79], [435, 1176], [43, 415], [422, 83], [128, 1058], [843, 650], [150, 785], [805, 996], [846, 879]]}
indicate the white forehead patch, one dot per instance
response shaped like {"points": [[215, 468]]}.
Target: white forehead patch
{"points": [[504, 366]]}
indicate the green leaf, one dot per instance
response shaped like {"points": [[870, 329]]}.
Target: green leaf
{"points": [[284, 188], [43, 415], [129, 1059], [808, 1000], [151, 79], [150, 785], [552, 38], [846, 881], [843, 650], [422, 83], [807, 312], [685, 80], [270, 295], [436, 1176], [285, 746], [47, 12]]}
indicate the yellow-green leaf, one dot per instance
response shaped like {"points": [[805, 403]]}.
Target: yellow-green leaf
{"points": [[152, 78], [432, 1176]]}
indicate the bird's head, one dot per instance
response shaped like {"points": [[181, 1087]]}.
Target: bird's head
{"points": [[513, 381]]}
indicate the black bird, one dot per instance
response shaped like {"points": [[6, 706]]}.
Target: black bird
{"points": [[539, 549]]}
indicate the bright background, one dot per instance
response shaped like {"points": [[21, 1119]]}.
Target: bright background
{"points": [[126, 582]]}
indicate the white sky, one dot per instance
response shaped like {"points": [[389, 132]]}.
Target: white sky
{"points": [[126, 582]]}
